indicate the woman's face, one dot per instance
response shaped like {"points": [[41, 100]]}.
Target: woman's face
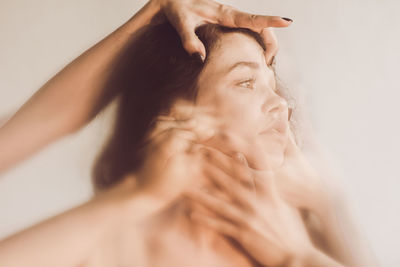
{"points": [[238, 89]]}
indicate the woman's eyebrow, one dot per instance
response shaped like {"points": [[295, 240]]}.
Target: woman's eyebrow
{"points": [[250, 64]]}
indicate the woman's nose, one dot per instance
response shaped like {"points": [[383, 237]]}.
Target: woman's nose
{"points": [[274, 105]]}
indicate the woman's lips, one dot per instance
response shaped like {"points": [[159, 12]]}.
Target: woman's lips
{"points": [[278, 127]]}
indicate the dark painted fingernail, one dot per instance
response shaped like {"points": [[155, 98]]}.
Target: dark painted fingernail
{"points": [[272, 61], [287, 19], [197, 56], [290, 111]]}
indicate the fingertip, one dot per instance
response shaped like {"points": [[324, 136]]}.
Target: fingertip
{"points": [[268, 59], [190, 45], [280, 22], [241, 158], [198, 56], [201, 50], [196, 49], [207, 134], [287, 19]]}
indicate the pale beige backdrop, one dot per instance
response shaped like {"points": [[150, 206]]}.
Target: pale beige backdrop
{"points": [[342, 54]]}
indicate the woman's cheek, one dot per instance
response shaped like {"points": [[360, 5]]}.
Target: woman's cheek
{"points": [[240, 109], [246, 121]]}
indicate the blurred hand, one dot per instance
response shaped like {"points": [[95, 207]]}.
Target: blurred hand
{"points": [[263, 224], [172, 160], [187, 15], [299, 183]]}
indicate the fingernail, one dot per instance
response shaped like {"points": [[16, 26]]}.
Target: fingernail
{"points": [[287, 19], [198, 56], [290, 110], [241, 158], [271, 61]]}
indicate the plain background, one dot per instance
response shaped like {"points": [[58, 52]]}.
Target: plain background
{"points": [[343, 55]]}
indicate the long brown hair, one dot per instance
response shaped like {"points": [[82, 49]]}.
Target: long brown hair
{"points": [[152, 73]]}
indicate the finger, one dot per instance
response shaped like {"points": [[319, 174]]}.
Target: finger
{"points": [[234, 166], [185, 26], [290, 112], [235, 190], [218, 224], [217, 205], [164, 123], [292, 148], [250, 178], [201, 132], [271, 43], [231, 17], [183, 115], [216, 192], [192, 43], [266, 186], [182, 109], [190, 40], [175, 140]]}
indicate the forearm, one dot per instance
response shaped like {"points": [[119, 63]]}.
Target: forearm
{"points": [[69, 99], [69, 238], [343, 238]]}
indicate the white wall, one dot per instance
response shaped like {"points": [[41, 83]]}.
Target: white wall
{"points": [[343, 55]]}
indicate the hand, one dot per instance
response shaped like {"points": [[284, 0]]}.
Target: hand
{"points": [[299, 183], [172, 160], [187, 15], [263, 224]]}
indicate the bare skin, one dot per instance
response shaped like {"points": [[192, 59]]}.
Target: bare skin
{"points": [[70, 100], [284, 185], [246, 116], [73, 238]]}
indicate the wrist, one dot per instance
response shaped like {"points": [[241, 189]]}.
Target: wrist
{"points": [[156, 3], [316, 258], [303, 258], [307, 259], [143, 17]]}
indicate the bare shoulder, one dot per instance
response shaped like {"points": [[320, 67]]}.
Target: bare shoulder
{"points": [[127, 248], [4, 118]]}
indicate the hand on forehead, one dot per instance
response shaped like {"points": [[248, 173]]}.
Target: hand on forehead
{"points": [[187, 15]]}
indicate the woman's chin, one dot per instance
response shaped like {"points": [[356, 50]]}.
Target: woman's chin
{"points": [[267, 160], [272, 153], [262, 152]]}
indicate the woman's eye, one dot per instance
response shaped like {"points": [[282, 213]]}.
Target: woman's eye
{"points": [[248, 84]]}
